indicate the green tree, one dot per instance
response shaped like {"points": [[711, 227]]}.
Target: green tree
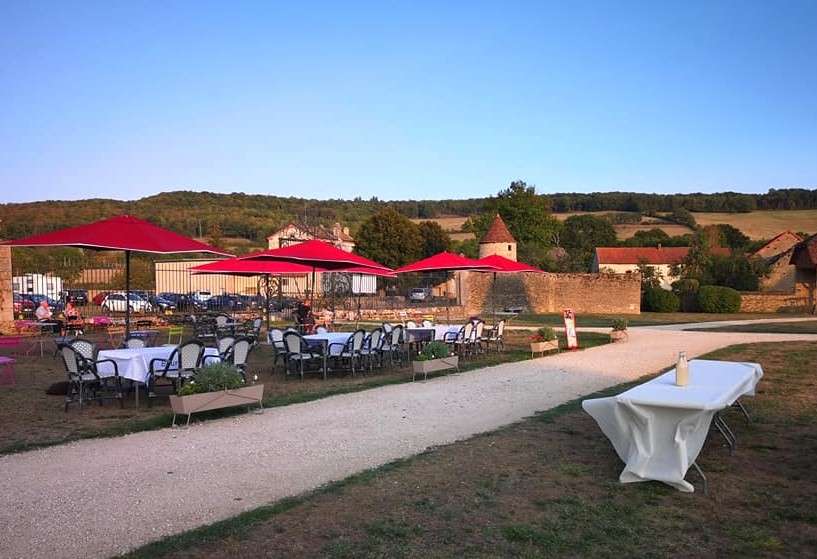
{"points": [[389, 238], [434, 239]]}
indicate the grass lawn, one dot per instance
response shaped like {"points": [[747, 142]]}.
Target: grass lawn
{"points": [[544, 487]]}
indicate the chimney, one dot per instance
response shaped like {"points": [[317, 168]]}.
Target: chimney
{"points": [[659, 246]]}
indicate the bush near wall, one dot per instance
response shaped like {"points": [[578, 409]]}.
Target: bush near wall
{"points": [[717, 299], [657, 299]]}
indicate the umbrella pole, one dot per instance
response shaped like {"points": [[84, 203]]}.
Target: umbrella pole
{"points": [[127, 294]]}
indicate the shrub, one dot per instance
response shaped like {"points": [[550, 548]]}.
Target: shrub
{"points": [[544, 334], [213, 377], [717, 299], [433, 350], [657, 299], [619, 324]]}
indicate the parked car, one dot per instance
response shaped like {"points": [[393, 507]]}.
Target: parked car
{"points": [[56, 306], [229, 303], [161, 304], [99, 297], [23, 306], [77, 296], [419, 294], [279, 304], [117, 302], [253, 302], [181, 300]]}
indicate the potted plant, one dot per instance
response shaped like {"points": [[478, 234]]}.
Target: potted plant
{"points": [[544, 340], [619, 332], [435, 356], [216, 385]]}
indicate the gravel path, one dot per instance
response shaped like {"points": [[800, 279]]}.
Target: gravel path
{"points": [[138, 488]]}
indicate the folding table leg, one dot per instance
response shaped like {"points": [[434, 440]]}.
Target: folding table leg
{"points": [[725, 431], [703, 477]]}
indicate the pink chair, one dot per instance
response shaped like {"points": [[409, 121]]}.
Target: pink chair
{"points": [[8, 357]]}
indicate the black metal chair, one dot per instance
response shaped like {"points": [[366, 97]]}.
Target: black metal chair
{"points": [[180, 366], [85, 382]]}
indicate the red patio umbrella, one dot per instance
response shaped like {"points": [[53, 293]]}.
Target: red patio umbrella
{"points": [[446, 262], [319, 255], [126, 233]]}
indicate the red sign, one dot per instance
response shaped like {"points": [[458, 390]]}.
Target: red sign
{"points": [[570, 328]]}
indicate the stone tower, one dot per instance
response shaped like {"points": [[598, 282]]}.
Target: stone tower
{"points": [[498, 240]]}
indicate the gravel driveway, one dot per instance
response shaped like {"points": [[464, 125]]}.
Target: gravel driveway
{"points": [[99, 498]]}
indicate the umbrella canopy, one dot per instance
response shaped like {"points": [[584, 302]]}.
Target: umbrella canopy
{"points": [[317, 254], [237, 266], [446, 262], [126, 233], [508, 266], [321, 256]]}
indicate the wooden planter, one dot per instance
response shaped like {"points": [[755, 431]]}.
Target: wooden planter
{"points": [[192, 403], [433, 365], [543, 347]]}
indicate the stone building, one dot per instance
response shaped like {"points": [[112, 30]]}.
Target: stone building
{"points": [[777, 255], [498, 240]]}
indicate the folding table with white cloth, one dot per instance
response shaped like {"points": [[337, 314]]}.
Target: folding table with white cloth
{"points": [[134, 364], [658, 428]]}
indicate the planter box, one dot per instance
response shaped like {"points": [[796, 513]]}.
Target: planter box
{"points": [[433, 365], [192, 403], [542, 347]]}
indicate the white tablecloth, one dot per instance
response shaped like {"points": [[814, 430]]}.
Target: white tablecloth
{"points": [[330, 339], [425, 334], [658, 429], [134, 364]]}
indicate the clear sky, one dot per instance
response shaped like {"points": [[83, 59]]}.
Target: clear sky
{"points": [[405, 100]]}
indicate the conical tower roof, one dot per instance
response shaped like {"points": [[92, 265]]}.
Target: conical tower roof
{"points": [[498, 232]]}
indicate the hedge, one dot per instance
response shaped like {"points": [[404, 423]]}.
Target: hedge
{"points": [[717, 299], [657, 299]]}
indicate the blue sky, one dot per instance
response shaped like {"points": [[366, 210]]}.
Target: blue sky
{"points": [[408, 100]]}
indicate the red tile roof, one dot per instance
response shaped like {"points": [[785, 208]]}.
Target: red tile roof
{"points": [[498, 232], [636, 255]]}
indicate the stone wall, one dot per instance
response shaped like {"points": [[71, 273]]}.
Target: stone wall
{"points": [[6, 297], [778, 302], [550, 293]]}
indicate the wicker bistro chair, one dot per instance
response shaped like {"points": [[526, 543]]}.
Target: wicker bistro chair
{"points": [[460, 341], [298, 353], [84, 380], [275, 337], [393, 345], [371, 352], [496, 336], [182, 364], [240, 353], [350, 351], [134, 342]]}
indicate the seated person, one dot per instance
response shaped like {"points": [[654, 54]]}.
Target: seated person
{"points": [[74, 320], [44, 314], [304, 317]]}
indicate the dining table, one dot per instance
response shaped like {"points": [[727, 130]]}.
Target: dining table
{"points": [[329, 344], [658, 428], [134, 363]]}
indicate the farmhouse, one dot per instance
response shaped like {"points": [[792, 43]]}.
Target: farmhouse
{"points": [[625, 260]]}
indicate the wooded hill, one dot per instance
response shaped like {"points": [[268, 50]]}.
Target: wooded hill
{"points": [[248, 219]]}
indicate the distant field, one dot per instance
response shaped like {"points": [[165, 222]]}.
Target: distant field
{"points": [[755, 225]]}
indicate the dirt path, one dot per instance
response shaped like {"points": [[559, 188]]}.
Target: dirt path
{"points": [[141, 487]]}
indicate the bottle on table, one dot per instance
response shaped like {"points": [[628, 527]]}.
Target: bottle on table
{"points": [[682, 370]]}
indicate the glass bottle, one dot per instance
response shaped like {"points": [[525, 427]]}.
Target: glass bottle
{"points": [[682, 370]]}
